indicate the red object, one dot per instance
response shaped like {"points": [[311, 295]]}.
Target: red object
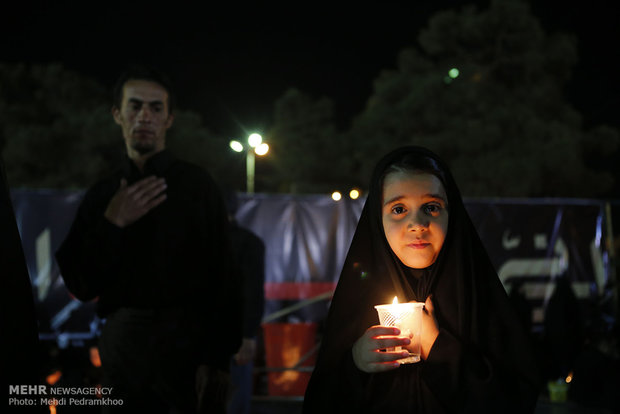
{"points": [[285, 345], [295, 291]]}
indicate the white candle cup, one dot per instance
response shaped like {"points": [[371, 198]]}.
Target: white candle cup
{"points": [[408, 318]]}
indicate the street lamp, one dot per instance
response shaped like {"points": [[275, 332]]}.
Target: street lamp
{"points": [[255, 145], [354, 193]]}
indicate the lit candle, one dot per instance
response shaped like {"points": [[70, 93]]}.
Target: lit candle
{"points": [[408, 318]]}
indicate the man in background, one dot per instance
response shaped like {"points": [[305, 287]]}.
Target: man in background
{"points": [[249, 251], [151, 244]]}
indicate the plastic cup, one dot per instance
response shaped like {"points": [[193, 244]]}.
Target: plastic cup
{"points": [[408, 318]]}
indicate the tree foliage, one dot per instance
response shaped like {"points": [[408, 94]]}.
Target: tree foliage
{"points": [[189, 139], [502, 123], [55, 127], [307, 150], [57, 131]]}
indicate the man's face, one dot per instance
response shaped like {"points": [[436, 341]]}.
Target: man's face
{"points": [[143, 117]]}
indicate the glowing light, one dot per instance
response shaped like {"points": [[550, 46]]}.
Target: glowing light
{"points": [[569, 377], [236, 146], [396, 311], [453, 73], [262, 149], [95, 359], [255, 140], [354, 194], [336, 196], [52, 378]]}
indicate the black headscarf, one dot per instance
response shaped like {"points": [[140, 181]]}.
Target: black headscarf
{"points": [[481, 359]]}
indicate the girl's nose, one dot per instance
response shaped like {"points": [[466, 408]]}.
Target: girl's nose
{"points": [[418, 222]]}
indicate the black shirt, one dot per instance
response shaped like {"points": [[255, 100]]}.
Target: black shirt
{"points": [[177, 255], [250, 255]]}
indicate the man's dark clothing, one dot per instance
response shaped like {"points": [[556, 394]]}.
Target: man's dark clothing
{"points": [[166, 283], [249, 253]]}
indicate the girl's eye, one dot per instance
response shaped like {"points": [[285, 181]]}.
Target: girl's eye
{"points": [[398, 209], [431, 209]]}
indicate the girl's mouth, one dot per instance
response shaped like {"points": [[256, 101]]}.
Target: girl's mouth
{"points": [[418, 245]]}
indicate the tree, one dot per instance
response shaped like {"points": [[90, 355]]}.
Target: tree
{"points": [[308, 154], [190, 140], [57, 131], [484, 90]]}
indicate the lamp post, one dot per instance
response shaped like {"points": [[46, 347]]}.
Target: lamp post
{"points": [[255, 146]]}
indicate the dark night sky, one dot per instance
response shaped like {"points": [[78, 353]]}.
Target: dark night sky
{"points": [[231, 64]]}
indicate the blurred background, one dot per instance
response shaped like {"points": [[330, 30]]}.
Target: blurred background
{"points": [[519, 97], [508, 92]]}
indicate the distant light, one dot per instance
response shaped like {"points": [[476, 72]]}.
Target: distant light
{"points": [[354, 194], [453, 73], [95, 358], [262, 149], [53, 378], [336, 196], [569, 377], [236, 146], [255, 140]]}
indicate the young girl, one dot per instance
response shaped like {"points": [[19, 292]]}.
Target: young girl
{"points": [[415, 240]]}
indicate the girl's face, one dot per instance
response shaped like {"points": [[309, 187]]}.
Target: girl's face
{"points": [[415, 217]]}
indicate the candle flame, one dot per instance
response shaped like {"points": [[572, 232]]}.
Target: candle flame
{"points": [[395, 301]]}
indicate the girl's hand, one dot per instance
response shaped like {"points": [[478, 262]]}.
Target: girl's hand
{"points": [[430, 329], [367, 350]]}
